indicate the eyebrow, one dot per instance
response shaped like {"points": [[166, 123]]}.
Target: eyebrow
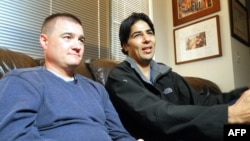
{"points": [[135, 32], [141, 31], [70, 33]]}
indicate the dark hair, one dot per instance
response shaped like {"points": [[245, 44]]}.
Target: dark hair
{"points": [[48, 23], [128, 22]]}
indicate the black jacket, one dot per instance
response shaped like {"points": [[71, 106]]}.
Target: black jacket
{"points": [[168, 108]]}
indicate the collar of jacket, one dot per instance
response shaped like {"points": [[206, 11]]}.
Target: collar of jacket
{"points": [[157, 68]]}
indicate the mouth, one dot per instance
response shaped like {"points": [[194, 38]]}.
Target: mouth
{"points": [[147, 50], [75, 55]]}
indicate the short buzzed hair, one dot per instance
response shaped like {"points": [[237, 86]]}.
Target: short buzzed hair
{"points": [[48, 24]]}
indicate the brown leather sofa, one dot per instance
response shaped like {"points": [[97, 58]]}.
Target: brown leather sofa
{"points": [[95, 69]]}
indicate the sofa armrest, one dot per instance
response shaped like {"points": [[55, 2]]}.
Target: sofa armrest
{"points": [[203, 86]]}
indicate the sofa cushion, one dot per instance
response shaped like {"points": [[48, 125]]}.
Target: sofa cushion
{"points": [[83, 69], [100, 68], [10, 60]]}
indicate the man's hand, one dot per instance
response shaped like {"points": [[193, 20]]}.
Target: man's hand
{"points": [[239, 112]]}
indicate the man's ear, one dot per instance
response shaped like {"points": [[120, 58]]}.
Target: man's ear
{"points": [[43, 41], [125, 47]]}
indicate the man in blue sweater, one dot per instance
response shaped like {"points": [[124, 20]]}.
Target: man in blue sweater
{"points": [[52, 103]]}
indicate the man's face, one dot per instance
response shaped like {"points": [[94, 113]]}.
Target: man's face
{"points": [[64, 46], [141, 43]]}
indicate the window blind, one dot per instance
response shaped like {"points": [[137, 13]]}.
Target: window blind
{"points": [[20, 23], [94, 17]]}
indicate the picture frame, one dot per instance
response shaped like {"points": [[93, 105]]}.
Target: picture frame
{"points": [[197, 41], [185, 11], [239, 22]]}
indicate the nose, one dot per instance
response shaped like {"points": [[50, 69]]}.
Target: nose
{"points": [[146, 38], [77, 44]]}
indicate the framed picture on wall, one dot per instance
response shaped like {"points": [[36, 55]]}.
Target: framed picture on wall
{"points": [[188, 10], [197, 41], [239, 22]]}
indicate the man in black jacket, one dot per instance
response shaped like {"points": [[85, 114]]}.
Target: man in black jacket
{"points": [[157, 104]]}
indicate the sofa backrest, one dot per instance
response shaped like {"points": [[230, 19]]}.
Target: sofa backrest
{"points": [[95, 69], [203, 86], [10, 60]]}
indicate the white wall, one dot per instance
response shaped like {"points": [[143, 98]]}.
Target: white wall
{"points": [[224, 70]]}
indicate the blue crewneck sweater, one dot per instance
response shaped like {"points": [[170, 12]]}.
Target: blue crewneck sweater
{"points": [[38, 105]]}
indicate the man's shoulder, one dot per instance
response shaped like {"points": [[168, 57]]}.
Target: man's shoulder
{"points": [[23, 71], [122, 65], [119, 69], [33, 75]]}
